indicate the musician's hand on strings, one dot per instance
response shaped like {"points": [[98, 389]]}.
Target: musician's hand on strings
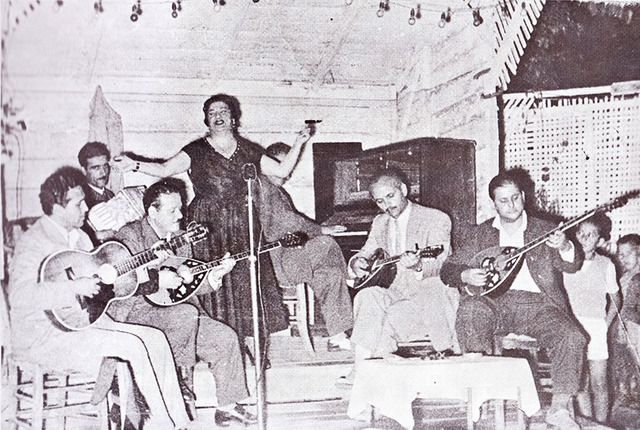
{"points": [[330, 230], [86, 286], [122, 163], [411, 260], [185, 274], [215, 275], [474, 277], [168, 279], [162, 254], [360, 267], [558, 240]]}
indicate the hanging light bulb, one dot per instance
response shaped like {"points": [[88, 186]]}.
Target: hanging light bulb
{"points": [[348, 2], [445, 18], [418, 12], [174, 7], [380, 12], [216, 6], [412, 17], [523, 10], [477, 19]]}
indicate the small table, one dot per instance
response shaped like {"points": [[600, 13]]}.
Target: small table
{"points": [[390, 385]]}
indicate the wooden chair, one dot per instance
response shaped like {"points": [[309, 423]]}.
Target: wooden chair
{"points": [[299, 300], [36, 396], [540, 368]]}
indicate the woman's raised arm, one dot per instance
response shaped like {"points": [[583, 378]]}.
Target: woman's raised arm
{"points": [[283, 169], [177, 164]]}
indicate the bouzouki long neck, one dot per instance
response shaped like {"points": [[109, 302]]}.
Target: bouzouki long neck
{"points": [[616, 203], [237, 257]]}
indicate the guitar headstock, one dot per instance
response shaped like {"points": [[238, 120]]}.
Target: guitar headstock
{"points": [[618, 202], [431, 251], [196, 232], [291, 240]]}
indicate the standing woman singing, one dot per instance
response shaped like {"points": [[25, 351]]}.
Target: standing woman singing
{"points": [[214, 164]]}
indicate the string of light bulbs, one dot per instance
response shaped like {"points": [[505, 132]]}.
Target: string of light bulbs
{"points": [[417, 10]]}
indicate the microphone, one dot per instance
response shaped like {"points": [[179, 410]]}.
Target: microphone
{"points": [[249, 172]]}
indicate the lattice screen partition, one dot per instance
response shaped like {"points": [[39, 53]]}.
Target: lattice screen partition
{"points": [[581, 147]]}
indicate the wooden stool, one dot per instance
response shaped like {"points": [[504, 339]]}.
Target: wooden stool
{"points": [[541, 370], [301, 311]]}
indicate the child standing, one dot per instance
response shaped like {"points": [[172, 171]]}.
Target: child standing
{"points": [[591, 291], [628, 255]]}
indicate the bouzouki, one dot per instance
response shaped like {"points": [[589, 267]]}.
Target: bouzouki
{"points": [[502, 263], [199, 269], [382, 268], [114, 265]]}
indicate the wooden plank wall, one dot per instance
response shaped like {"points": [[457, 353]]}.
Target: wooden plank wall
{"points": [[159, 118]]}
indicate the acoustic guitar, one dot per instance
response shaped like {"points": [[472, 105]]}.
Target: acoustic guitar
{"points": [[199, 269], [502, 263], [382, 268], [114, 265]]}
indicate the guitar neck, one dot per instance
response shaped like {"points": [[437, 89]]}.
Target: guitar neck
{"points": [[237, 257], [146, 256]]}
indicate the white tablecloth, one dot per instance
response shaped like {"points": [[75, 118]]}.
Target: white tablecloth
{"points": [[390, 385]]}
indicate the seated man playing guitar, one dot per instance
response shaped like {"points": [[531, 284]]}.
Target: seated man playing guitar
{"points": [[535, 305], [191, 332], [37, 338], [416, 304]]}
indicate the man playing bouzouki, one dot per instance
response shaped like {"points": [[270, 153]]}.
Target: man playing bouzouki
{"points": [[36, 338], [536, 303], [417, 304], [191, 332]]}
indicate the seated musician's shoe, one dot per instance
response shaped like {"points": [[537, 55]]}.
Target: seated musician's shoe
{"points": [[239, 413], [346, 381], [560, 418], [339, 345], [222, 418]]}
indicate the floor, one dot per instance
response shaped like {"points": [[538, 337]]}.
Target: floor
{"points": [[301, 394]]}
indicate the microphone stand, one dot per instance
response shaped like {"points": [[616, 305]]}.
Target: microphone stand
{"points": [[249, 175]]}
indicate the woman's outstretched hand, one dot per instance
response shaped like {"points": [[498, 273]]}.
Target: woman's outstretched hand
{"points": [[303, 135], [122, 163]]}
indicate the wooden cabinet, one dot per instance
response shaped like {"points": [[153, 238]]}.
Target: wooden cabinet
{"points": [[440, 172]]}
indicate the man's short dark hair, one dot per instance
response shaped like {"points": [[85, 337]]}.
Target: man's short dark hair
{"points": [[276, 149], [630, 239], [164, 186], [92, 149], [394, 173], [507, 177], [54, 189]]}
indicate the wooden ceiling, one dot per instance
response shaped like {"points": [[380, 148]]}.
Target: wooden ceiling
{"points": [[308, 41]]}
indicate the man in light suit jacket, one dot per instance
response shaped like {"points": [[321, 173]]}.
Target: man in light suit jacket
{"points": [[416, 304], [536, 303]]}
